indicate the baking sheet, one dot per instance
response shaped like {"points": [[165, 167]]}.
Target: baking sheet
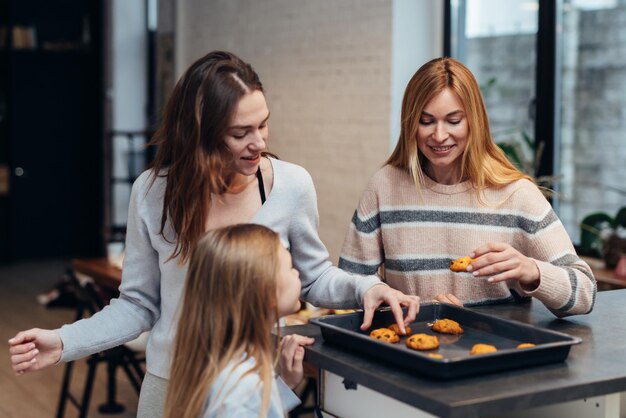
{"points": [[551, 346]]}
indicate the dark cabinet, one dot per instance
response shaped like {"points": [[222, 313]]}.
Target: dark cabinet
{"points": [[51, 129]]}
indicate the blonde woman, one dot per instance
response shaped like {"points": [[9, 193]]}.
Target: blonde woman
{"points": [[240, 281], [211, 170], [448, 191]]}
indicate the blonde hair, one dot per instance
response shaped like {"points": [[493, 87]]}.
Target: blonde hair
{"points": [[483, 163], [225, 316]]}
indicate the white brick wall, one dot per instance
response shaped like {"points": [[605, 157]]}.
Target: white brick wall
{"points": [[334, 71], [325, 65]]}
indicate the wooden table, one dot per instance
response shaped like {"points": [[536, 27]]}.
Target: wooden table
{"points": [[108, 277], [606, 278], [103, 273]]}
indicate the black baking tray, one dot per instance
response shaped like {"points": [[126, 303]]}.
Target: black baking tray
{"points": [[550, 346]]}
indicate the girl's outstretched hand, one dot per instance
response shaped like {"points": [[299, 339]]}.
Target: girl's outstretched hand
{"points": [[380, 293], [499, 261], [291, 358], [34, 349]]}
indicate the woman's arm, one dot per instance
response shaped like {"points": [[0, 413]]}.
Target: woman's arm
{"points": [[326, 285], [138, 306], [322, 283], [543, 263]]}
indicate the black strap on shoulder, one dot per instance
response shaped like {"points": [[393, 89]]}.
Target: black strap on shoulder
{"points": [[259, 176]]}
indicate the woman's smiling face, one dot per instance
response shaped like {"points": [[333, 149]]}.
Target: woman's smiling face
{"points": [[442, 136], [247, 134]]}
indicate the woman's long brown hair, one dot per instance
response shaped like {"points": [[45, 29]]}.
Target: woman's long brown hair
{"points": [[484, 164], [228, 310], [190, 140]]}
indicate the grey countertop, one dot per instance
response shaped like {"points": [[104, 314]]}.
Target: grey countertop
{"points": [[595, 367]]}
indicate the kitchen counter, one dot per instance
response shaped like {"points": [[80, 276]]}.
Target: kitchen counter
{"points": [[593, 368]]}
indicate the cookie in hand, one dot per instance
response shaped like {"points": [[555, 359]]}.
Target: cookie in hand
{"points": [[460, 264]]}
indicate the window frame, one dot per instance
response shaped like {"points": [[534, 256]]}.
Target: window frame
{"points": [[547, 116]]}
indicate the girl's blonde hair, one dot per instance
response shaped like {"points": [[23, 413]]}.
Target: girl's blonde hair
{"points": [[226, 314], [483, 163]]}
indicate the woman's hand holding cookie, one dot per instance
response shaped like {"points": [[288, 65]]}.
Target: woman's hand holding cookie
{"points": [[499, 262], [460, 264]]}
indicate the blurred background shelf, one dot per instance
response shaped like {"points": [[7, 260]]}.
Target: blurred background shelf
{"points": [[607, 278], [51, 119]]}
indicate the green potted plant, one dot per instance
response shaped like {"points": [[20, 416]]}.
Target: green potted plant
{"points": [[514, 150], [604, 236]]}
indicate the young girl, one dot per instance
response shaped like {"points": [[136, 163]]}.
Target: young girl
{"points": [[240, 281], [448, 191]]}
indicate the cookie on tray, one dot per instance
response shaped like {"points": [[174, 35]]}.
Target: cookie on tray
{"points": [[483, 349], [525, 345], [395, 328], [447, 326], [422, 342], [386, 335]]}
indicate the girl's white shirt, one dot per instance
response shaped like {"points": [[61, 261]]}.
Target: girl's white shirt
{"points": [[238, 393]]}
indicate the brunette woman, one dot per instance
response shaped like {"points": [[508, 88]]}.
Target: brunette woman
{"points": [[210, 171]]}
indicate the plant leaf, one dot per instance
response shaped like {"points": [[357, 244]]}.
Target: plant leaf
{"points": [[529, 141], [620, 218], [590, 232], [511, 153]]}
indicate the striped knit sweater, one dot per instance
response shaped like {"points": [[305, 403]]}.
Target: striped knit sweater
{"points": [[415, 237]]}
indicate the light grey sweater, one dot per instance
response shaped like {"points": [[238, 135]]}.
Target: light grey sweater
{"points": [[151, 288]]}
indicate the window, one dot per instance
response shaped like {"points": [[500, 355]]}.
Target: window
{"points": [[592, 157], [497, 41], [576, 107]]}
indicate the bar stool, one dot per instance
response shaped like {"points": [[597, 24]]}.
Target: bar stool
{"points": [[308, 393], [91, 300]]}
